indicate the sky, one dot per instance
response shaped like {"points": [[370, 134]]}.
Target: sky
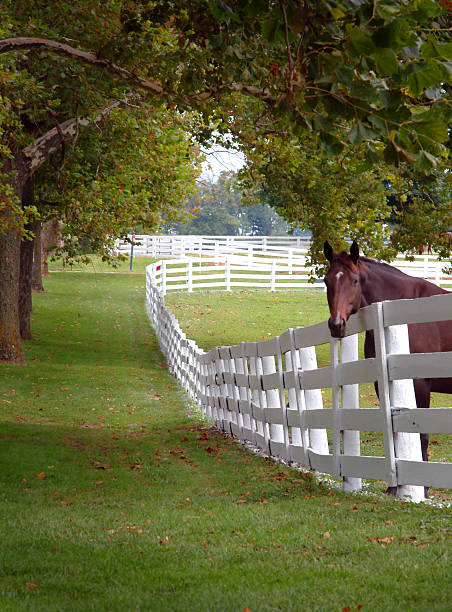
{"points": [[218, 160]]}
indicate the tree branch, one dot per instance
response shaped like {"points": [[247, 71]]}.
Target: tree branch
{"points": [[20, 43], [44, 146], [24, 43], [286, 36]]}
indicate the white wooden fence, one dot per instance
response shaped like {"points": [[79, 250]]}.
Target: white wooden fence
{"points": [[212, 246], [287, 253], [233, 272], [269, 394]]}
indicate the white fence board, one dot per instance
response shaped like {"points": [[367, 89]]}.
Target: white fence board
{"points": [[426, 474], [364, 467], [422, 420], [434, 308], [420, 365]]}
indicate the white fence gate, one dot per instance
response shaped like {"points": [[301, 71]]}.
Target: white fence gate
{"points": [[270, 393]]}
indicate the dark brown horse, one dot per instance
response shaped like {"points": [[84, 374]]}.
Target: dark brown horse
{"points": [[353, 282]]}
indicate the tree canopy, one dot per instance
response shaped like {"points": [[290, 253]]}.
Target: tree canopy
{"points": [[374, 75]]}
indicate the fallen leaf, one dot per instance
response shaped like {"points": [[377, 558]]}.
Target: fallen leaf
{"points": [[41, 475], [326, 534], [31, 586]]}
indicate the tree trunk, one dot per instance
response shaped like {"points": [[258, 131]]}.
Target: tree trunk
{"points": [[49, 243], [36, 280], [26, 268], [10, 343], [25, 277]]}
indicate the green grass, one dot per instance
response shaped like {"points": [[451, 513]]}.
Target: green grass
{"points": [[114, 496], [97, 265]]}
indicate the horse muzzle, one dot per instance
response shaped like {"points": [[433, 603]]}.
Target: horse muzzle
{"points": [[337, 327]]}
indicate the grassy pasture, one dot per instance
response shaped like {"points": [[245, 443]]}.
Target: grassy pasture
{"points": [[115, 497]]}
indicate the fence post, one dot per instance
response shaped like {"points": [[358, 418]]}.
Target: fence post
{"points": [[259, 397], [216, 251], [272, 397], [227, 273], [163, 277], [350, 399], [334, 355], [290, 261], [190, 276], [401, 393], [300, 435], [264, 244], [250, 256], [318, 439], [273, 276]]}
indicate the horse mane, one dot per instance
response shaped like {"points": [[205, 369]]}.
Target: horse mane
{"points": [[383, 265], [344, 258]]}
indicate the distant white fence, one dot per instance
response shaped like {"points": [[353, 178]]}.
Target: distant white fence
{"points": [[213, 246], [269, 394], [234, 272], [258, 252]]}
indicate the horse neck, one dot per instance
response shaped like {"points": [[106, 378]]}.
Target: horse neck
{"points": [[380, 282]]}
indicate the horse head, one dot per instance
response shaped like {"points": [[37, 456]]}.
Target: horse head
{"points": [[343, 287]]}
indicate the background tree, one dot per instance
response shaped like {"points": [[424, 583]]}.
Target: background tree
{"points": [[217, 209]]}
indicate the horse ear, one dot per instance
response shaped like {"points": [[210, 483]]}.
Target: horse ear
{"points": [[354, 252], [328, 250]]}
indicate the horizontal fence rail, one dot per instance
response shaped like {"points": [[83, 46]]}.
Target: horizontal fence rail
{"points": [[251, 252], [270, 394]]}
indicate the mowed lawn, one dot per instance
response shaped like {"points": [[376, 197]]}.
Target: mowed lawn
{"points": [[115, 496]]}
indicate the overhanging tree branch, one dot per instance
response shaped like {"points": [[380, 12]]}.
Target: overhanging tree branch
{"points": [[23, 43], [44, 146]]}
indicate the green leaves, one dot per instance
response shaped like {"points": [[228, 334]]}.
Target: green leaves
{"points": [[361, 42], [432, 127], [386, 62], [361, 133], [425, 74]]}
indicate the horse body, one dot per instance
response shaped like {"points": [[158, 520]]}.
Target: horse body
{"points": [[354, 282]]}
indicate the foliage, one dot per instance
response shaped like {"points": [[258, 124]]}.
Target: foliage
{"points": [[333, 197], [358, 71], [422, 214], [136, 169], [217, 210]]}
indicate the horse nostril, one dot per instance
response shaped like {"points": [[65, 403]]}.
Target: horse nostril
{"points": [[337, 327]]}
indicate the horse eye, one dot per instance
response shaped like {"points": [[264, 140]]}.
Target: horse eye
{"points": [[354, 281]]}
